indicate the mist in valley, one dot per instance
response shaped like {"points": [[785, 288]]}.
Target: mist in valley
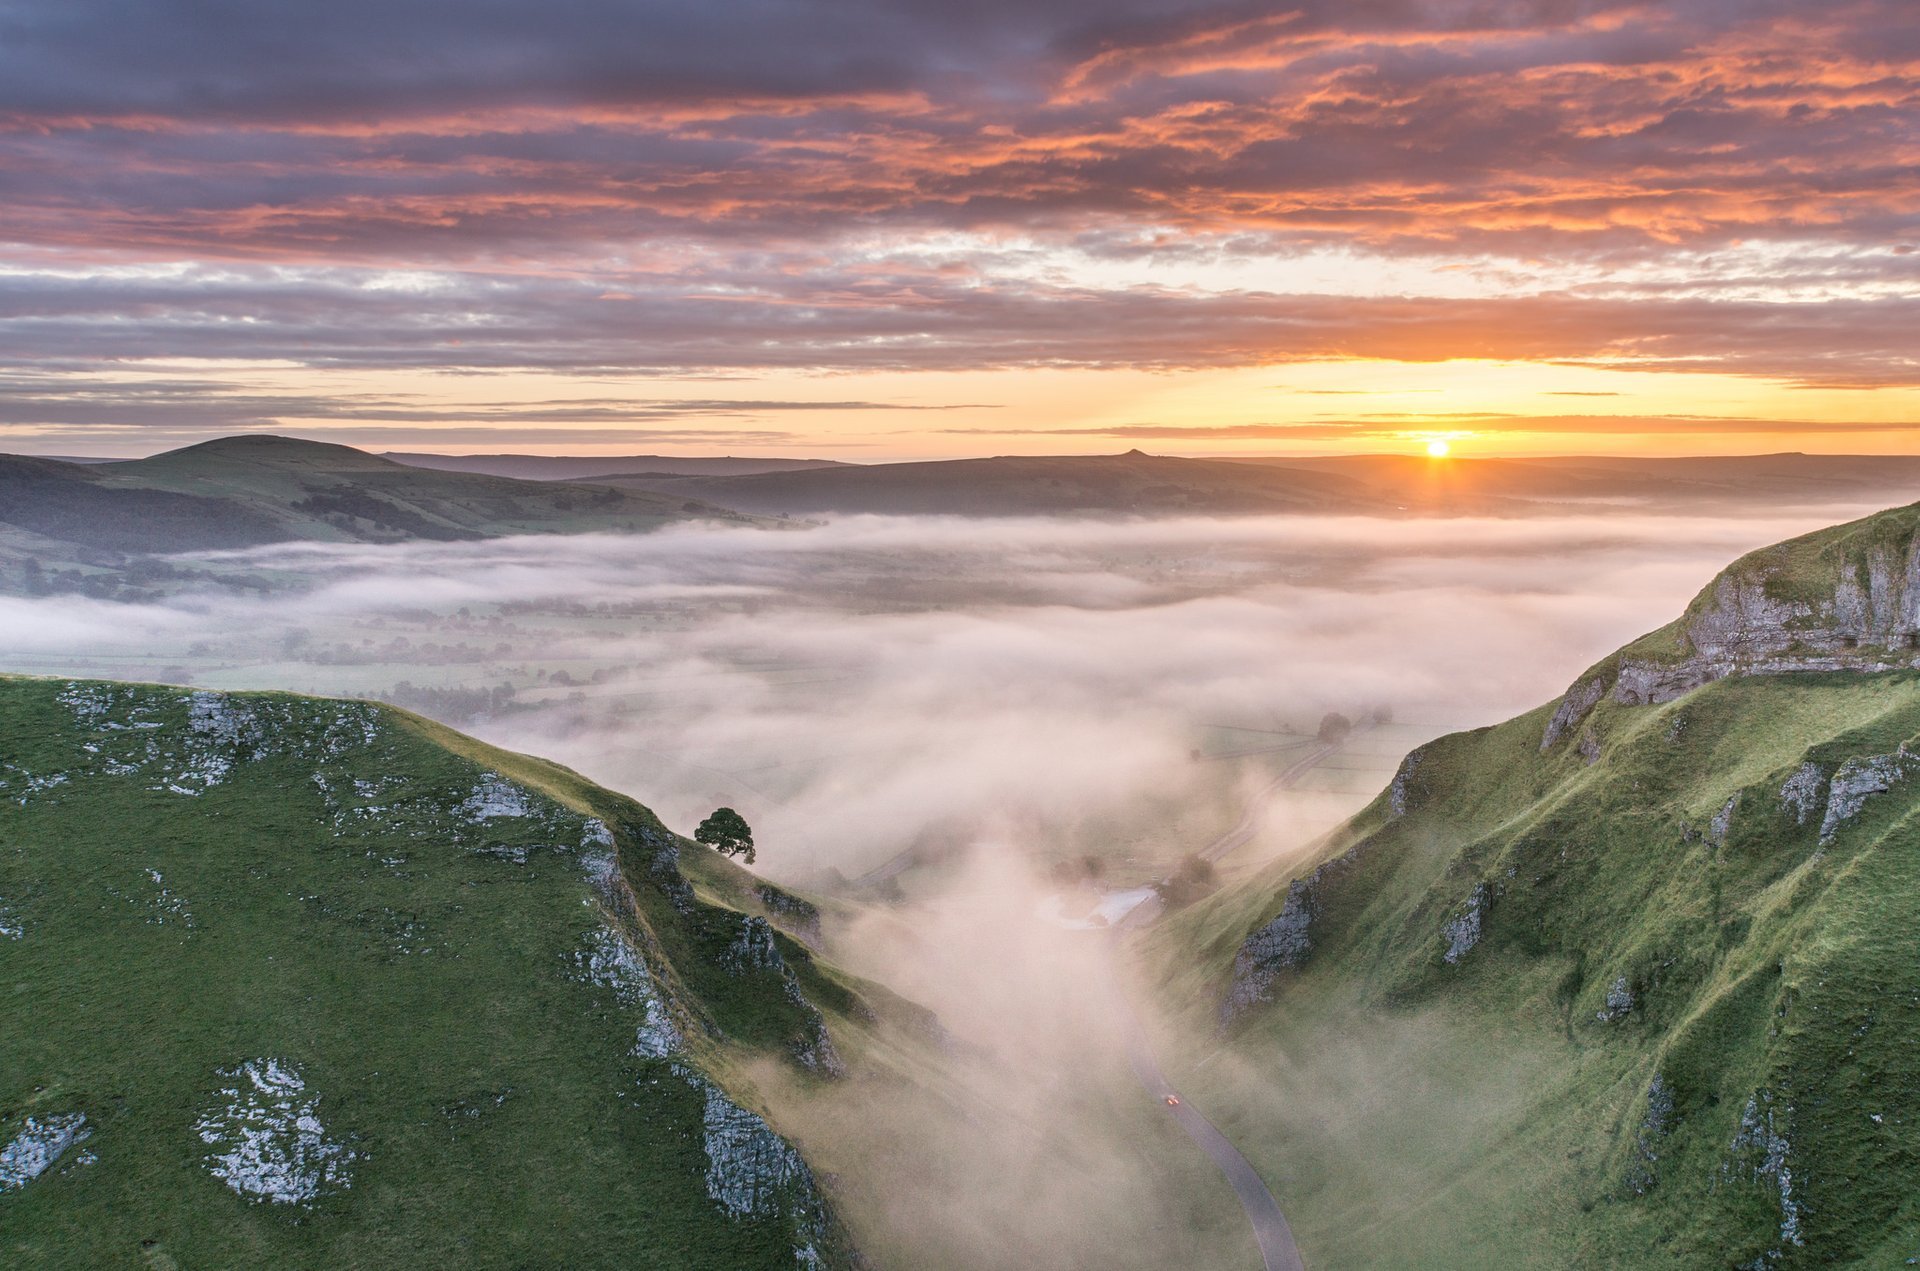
{"points": [[945, 725]]}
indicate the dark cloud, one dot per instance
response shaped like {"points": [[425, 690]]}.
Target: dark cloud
{"points": [[848, 319], [747, 184]]}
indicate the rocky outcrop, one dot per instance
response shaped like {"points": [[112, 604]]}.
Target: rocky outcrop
{"points": [[1722, 823], [752, 949], [1282, 945], [1803, 793], [38, 1146], [1867, 620], [1759, 1155], [265, 1138], [1858, 780], [1654, 1128], [1573, 708], [494, 797], [609, 962], [754, 1173], [798, 917], [1463, 932], [1401, 794], [1619, 1002], [663, 866]]}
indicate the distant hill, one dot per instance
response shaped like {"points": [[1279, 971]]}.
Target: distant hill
{"points": [[1627, 981], [247, 491], [313, 984], [567, 468], [1130, 484], [1136, 484], [1704, 482]]}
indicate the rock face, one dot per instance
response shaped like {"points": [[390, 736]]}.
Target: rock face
{"points": [[1722, 823], [754, 1173], [266, 1140], [1859, 780], [753, 949], [1654, 1128], [1463, 932], [754, 952], [1619, 1002], [40, 1143], [1803, 793], [1281, 945], [798, 916], [1864, 615], [610, 962], [1759, 1154], [495, 797], [1573, 708], [1401, 794]]}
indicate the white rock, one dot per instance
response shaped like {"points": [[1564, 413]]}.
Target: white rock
{"points": [[268, 1142], [33, 1151]]}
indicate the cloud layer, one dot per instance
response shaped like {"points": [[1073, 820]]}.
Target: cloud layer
{"points": [[755, 185]]}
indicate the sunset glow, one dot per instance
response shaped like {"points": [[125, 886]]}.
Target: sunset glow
{"points": [[887, 230]]}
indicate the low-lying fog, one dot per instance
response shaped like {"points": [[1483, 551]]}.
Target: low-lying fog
{"points": [[874, 683], [997, 696]]}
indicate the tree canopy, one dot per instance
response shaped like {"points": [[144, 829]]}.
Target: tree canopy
{"points": [[728, 833]]}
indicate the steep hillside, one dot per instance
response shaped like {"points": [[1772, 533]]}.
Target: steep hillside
{"points": [[1129, 484], [1630, 980], [305, 983]]}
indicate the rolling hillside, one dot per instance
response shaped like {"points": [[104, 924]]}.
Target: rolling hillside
{"points": [[577, 467], [99, 528], [1132, 484], [1628, 981], [1136, 484], [306, 983]]}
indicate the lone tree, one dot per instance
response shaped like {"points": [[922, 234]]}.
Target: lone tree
{"points": [[726, 832]]}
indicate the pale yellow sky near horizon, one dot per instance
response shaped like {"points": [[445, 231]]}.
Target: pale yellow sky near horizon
{"points": [[1485, 409]]}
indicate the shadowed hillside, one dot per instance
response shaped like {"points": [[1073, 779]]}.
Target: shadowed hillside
{"points": [[572, 467], [1133, 484], [248, 491]]}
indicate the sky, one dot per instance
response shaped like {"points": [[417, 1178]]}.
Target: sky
{"points": [[867, 230]]}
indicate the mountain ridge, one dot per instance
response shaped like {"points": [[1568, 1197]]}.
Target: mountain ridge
{"points": [[1679, 922]]}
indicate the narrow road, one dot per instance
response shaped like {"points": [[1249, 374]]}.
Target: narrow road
{"points": [[1257, 805], [1270, 1230]]}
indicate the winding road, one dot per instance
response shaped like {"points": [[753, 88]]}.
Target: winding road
{"points": [[1270, 1230]]}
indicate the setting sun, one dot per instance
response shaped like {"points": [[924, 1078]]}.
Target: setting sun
{"points": [[1437, 449]]}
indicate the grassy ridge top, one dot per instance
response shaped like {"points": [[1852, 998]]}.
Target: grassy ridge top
{"points": [[311, 983]]}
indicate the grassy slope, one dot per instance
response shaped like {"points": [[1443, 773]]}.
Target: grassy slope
{"points": [[243, 491], [411, 975], [1418, 1113]]}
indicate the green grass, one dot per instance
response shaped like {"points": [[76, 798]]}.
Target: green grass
{"points": [[1414, 1112], [410, 968]]}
